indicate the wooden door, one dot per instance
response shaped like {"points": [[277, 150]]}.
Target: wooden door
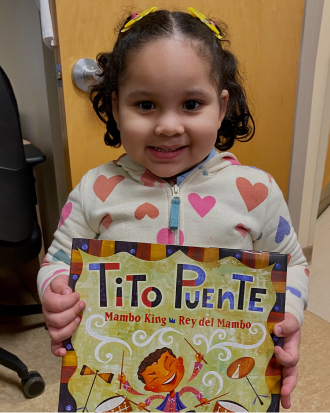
{"points": [[265, 36]]}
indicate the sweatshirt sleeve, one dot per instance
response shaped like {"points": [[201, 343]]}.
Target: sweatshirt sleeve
{"points": [[278, 235], [72, 224]]}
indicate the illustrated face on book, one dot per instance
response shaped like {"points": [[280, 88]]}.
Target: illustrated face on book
{"points": [[164, 374]]}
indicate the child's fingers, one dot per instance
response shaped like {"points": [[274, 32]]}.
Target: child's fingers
{"points": [[290, 376], [289, 355], [57, 349], [61, 319], [57, 303], [60, 283], [287, 327], [60, 334], [288, 359]]}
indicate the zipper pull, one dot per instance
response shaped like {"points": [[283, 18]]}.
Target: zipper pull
{"points": [[175, 208]]}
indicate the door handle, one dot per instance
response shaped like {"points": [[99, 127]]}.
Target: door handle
{"points": [[85, 73]]}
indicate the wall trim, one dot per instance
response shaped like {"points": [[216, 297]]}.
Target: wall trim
{"points": [[307, 62]]}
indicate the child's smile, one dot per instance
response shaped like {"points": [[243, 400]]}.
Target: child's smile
{"points": [[166, 152], [168, 110]]}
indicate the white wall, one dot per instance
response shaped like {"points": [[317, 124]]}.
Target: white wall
{"points": [[312, 120], [30, 65]]}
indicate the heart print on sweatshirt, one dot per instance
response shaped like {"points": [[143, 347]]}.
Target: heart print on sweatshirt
{"points": [[103, 186], [201, 205], [252, 195]]}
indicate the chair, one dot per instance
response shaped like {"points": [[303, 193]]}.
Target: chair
{"points": [[20, 235]]}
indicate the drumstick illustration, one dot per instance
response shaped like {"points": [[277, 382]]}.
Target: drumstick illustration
{"points": [[213, 399], [90, 390], [131, 401], [195, 350], [121, 372], [261, 402]]}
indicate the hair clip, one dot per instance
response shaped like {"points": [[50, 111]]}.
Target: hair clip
{"points": [[209, 23], [137, 16]]}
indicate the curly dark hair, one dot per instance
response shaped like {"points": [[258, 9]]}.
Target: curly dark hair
{"points": [[237, 124], [149, 360]]}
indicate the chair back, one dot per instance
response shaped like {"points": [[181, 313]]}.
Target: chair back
{"points": [[17, 191]]}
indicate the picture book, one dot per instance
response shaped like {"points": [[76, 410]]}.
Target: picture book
{"points": [[173, 328]]}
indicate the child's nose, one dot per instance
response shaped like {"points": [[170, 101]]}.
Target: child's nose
{"points": [[169, 124]]}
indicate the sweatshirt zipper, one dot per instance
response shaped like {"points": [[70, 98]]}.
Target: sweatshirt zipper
{"points": [[175, 208], [175, 204]]}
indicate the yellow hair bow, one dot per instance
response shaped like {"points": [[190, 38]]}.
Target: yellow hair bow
{"points": [[136, 17], [202, 18]]}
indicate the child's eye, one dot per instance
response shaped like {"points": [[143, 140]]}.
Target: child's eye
{"points": [[191, 105], [146, 105]]}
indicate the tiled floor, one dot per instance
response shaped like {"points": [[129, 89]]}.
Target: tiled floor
{"points": [[29, 340]]}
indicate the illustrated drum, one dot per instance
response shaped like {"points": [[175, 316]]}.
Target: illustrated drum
{"points": [[114, 404], [228, 406]]}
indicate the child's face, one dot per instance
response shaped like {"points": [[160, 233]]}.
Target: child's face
{"points": [[164, 375], [168, 111]]}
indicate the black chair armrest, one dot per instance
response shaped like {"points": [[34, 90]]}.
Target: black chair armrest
{"points": [[33, 155]]}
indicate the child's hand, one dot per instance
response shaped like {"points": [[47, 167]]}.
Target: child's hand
{"points": [[60, 307], [288, 356]]}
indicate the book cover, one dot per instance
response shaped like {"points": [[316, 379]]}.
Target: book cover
{"points": [[173, 328]]}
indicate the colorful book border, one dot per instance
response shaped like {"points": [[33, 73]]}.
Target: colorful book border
{"points": [[156, 252]]}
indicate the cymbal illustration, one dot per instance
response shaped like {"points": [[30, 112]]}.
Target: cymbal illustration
{"points": [[240, 368]]}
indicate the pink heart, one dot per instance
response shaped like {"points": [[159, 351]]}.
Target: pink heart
{"points": [[103, 186], [201, 205], [166, 236], [270, 177], [253, 195], [307, 272], [231, 160], [66, 211], [106, 221], [146, 209], [242, 230], [117, 160]]}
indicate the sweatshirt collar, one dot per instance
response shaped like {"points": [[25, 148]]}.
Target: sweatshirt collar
{"points": [[213, 163], [180, 178]]}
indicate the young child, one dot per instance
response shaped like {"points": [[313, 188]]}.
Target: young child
{"points": [[170, 91]]}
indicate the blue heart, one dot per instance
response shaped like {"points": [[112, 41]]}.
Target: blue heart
{"points": [[294, 291], [283, 229], [60, 255]]}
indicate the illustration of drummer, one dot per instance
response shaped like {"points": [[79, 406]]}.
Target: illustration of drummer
{"points": [[162, 372]]}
